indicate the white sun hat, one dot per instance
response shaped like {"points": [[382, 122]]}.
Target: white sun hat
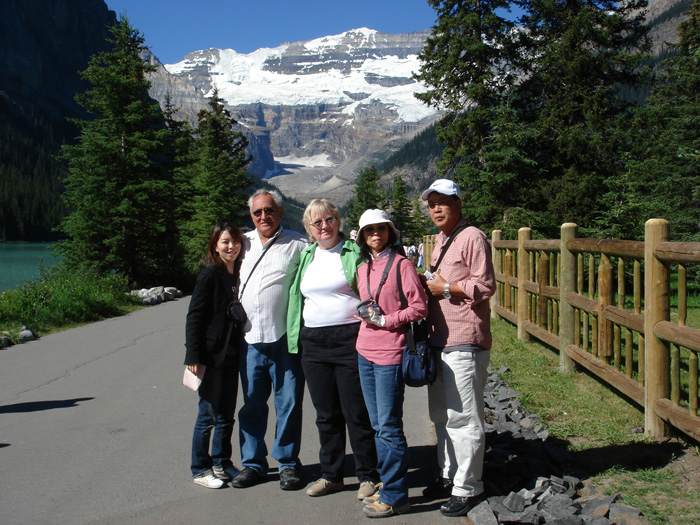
{"points": [[444, 187], [375, 217]]}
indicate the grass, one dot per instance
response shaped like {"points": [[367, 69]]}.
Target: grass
{"points": [[600, 428], [62, 298]]}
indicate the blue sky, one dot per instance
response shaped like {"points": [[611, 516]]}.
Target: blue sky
{"points": [[173, 28]]}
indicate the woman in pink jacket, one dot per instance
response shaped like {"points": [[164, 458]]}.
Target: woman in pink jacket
{"points": [[380, 344]]}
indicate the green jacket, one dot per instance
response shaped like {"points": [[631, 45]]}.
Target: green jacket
{"points": [[350, 258]]}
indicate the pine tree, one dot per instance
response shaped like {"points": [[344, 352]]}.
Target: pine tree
{"points": [[367, 195], [664, 165], [419, 224], [117, 189], [400, 207], [583, 55], [219, 177], [469, 62]]}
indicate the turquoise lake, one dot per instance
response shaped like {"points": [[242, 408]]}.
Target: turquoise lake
{"points": [[20, 262]]}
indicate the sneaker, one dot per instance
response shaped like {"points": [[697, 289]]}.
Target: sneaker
{"points": [[226, 474], [323, 487], [382, 510], [371, 499], [367, 489], [207, 479], [461, 505], [438, 489]]}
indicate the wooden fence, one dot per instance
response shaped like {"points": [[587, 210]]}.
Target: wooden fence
{"points": [[604, 304]]}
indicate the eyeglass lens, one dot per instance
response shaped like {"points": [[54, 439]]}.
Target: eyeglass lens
{"points": [[379, 228], [259, 212], [330, 220]]}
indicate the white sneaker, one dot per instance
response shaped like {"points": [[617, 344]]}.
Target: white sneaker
{"points": [[208, 480]]}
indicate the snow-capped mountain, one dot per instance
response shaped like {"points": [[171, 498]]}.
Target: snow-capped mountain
{"points": [[322, 107]]}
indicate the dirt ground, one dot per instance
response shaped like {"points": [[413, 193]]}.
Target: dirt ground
{"points": [[593, 466]]}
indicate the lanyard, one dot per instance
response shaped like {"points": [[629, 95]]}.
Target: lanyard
{"points": [[383, 279]]}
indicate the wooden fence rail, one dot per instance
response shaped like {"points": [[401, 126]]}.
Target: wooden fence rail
{"points": [[604, 304]]}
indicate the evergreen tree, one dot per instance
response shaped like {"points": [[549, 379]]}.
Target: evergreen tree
{"points": [[583, 54], [219, 177], [469, 62], [400, 207], [367, 195], [419, 224], [664, 167], [117, 188]]}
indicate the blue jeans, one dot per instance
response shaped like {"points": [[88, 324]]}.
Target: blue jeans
{"points": [[383, 389], [264, 367], [217, 406]]}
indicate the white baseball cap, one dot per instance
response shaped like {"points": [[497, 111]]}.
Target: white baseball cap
{"points": [[444, 187], [375, 217]]}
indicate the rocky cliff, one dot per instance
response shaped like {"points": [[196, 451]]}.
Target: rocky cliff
{"points": [[663, 17]]}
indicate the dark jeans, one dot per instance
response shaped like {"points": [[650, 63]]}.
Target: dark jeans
{"points": [[217, 405], [329, 359]]}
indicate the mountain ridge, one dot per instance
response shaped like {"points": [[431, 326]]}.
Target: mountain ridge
{"points": [[314, 110]]}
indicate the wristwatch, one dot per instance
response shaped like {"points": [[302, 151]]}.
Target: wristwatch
{"points": [[446, 294]]}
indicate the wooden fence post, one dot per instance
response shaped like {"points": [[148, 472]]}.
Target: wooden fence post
{"points": [[656, 308], [497, 267], [606, 297], [567, 325], [542, 281], [524, 234]]}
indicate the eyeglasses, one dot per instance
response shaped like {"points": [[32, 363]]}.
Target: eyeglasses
{"points": [[442, 203], [379, 227], [268, 211], [318, 223]]}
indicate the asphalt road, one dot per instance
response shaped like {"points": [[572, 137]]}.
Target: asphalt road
{"points": [[95, 427]]}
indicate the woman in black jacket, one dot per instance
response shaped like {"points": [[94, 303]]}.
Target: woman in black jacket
{"points": [[212, 341]]}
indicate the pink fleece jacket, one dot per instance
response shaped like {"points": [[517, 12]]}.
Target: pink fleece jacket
{"points": [[384, 345]]}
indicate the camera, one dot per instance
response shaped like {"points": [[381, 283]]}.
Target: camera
{"points": [[363, 309]]}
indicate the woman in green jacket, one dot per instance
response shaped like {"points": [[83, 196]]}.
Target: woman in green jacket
{"points": [[323, 301]]}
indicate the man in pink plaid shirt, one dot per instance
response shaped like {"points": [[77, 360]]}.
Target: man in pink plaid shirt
{"points": [[459, 285]]}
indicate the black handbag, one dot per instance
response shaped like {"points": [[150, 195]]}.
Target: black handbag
{"points": [[236, 313], [418, 363]]}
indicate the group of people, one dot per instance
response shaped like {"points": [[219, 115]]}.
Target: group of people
{"points": [[331, 314]]}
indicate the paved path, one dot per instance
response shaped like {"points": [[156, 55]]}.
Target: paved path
{"points": [[95, 427]]}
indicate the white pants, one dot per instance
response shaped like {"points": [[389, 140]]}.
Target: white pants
{"points": [[456, 404]]}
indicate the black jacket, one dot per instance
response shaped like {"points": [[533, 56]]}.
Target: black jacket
{"points": [[208, 326]]}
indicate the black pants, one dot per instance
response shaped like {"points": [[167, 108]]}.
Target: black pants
{"points": [[329, 359]]}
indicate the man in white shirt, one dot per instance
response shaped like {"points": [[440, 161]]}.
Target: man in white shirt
{"points": [[270, 259]]}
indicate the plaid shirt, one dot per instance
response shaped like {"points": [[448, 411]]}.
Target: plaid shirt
{"points": [[467, 263]]}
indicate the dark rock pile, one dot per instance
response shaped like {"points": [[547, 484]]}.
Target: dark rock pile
{"points": [[525, 472]]}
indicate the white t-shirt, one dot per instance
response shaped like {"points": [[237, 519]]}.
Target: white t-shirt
{"points": [[328, 299]]}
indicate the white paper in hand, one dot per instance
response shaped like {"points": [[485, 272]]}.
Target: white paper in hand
{"points": [[192, 381]]}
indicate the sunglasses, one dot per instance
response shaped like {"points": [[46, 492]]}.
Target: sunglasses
{"points": [[318, 223], [268, 211], [379, 228], [441, 203]]}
